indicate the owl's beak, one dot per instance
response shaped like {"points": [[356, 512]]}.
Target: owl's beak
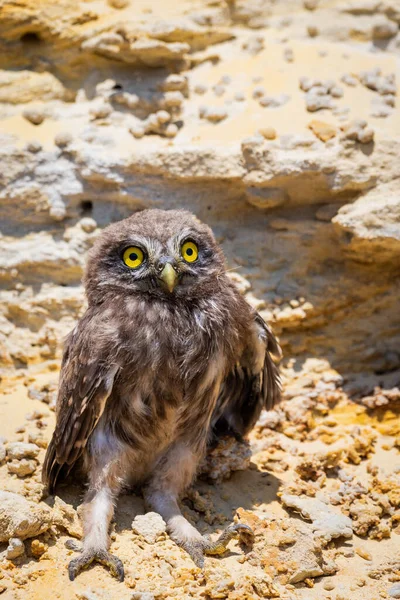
{"points": [[169, 277]]}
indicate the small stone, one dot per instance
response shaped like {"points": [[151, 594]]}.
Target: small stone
{"points": [[328, 585], [38, 548], [15, 549], [336, 91], [34, 146], [258, 92], [163, 116], [101, 111], [118, 4], [394, 591], [219, 90], [274, 101], [316, 102], [363, 553], [137, 131], [385, 30], [349, 79], [171, 130], [288, 55], [173, 99], [22, 468], [88, 224], [312, 31], [19, 450], [38, 439], [150, 526], [310, 4], [63, 139], [34, 115], [2, 453], [175, 83], [366, 136], [200, 89], [239, 97], [323, 131], [142, 596], [213, 114], [268, 132]]}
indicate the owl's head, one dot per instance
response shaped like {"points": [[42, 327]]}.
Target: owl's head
{"points": [[167, 254]]}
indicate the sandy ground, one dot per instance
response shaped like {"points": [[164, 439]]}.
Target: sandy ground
{"points": [[364, 567]]}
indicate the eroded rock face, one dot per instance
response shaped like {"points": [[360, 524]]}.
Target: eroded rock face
{"points": [[109, 110]]}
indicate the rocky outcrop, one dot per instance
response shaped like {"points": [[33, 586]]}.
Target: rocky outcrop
{"points": [[107, 110]]}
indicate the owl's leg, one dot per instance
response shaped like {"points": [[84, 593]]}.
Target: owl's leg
{"points": [[98, 509], [173, 475]]}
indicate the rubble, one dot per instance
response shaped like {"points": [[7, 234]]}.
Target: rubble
{"points": [[21, 518], [149, 526]]}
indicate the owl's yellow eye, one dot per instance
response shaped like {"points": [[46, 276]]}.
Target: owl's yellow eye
{"points": [[189, 251], [133, 257]]}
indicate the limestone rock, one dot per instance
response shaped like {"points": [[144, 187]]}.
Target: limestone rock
{"points": [[65, 517], [150, 526], [21, 518], [327, 524], [19, 450], [15, 549], [369, 229]]}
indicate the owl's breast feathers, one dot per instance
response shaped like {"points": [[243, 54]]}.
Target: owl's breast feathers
{"points": [[132, 363]]}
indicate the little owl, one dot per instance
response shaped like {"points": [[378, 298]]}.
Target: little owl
{"points": [[167, 357]]}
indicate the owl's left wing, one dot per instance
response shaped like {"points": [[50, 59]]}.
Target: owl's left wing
{"points": [[253, 384]]}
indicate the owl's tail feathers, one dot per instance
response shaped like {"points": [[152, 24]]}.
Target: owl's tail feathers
{"points": [[51, 468]]}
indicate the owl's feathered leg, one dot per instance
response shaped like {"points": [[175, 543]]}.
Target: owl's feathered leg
{"points": [[173, 475], [98, 509]]}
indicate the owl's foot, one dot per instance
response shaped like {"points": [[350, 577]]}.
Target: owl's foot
{"points": [[88, 556], [198, 548]]}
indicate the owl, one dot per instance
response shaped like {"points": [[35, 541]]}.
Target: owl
{"points": [[167, 357]]}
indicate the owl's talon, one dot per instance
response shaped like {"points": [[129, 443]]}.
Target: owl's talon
{"points": [[198, 548], [101, 556]]}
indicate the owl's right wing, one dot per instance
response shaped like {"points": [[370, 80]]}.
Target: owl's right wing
{"points": [[86, 381], [253, 384]]}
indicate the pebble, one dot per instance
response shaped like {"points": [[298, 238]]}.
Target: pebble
{"points": [[274, 101], [2, 453], [385, 30], [239, 97], [38, 548], [323, 131], [310, 4], [22, 468], [15, 548], [19, 450], [150, 526], [101, 111], [171, 130], [312, 31], [137, 131], [328, 585], [214, 114], [175, 83], [288, 55], [142, 596], [363, 553], [394, 591], [118, 4], [38, 439], [349, 79], [219, 90], [63, 139], [316, 102], [34, 147], [173, 99], [269, 133], [258, 92], [34, 115], [200, 89], [336, 91]]}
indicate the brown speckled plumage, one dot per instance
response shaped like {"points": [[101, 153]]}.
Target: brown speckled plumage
{"points": [[149, 375]]}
